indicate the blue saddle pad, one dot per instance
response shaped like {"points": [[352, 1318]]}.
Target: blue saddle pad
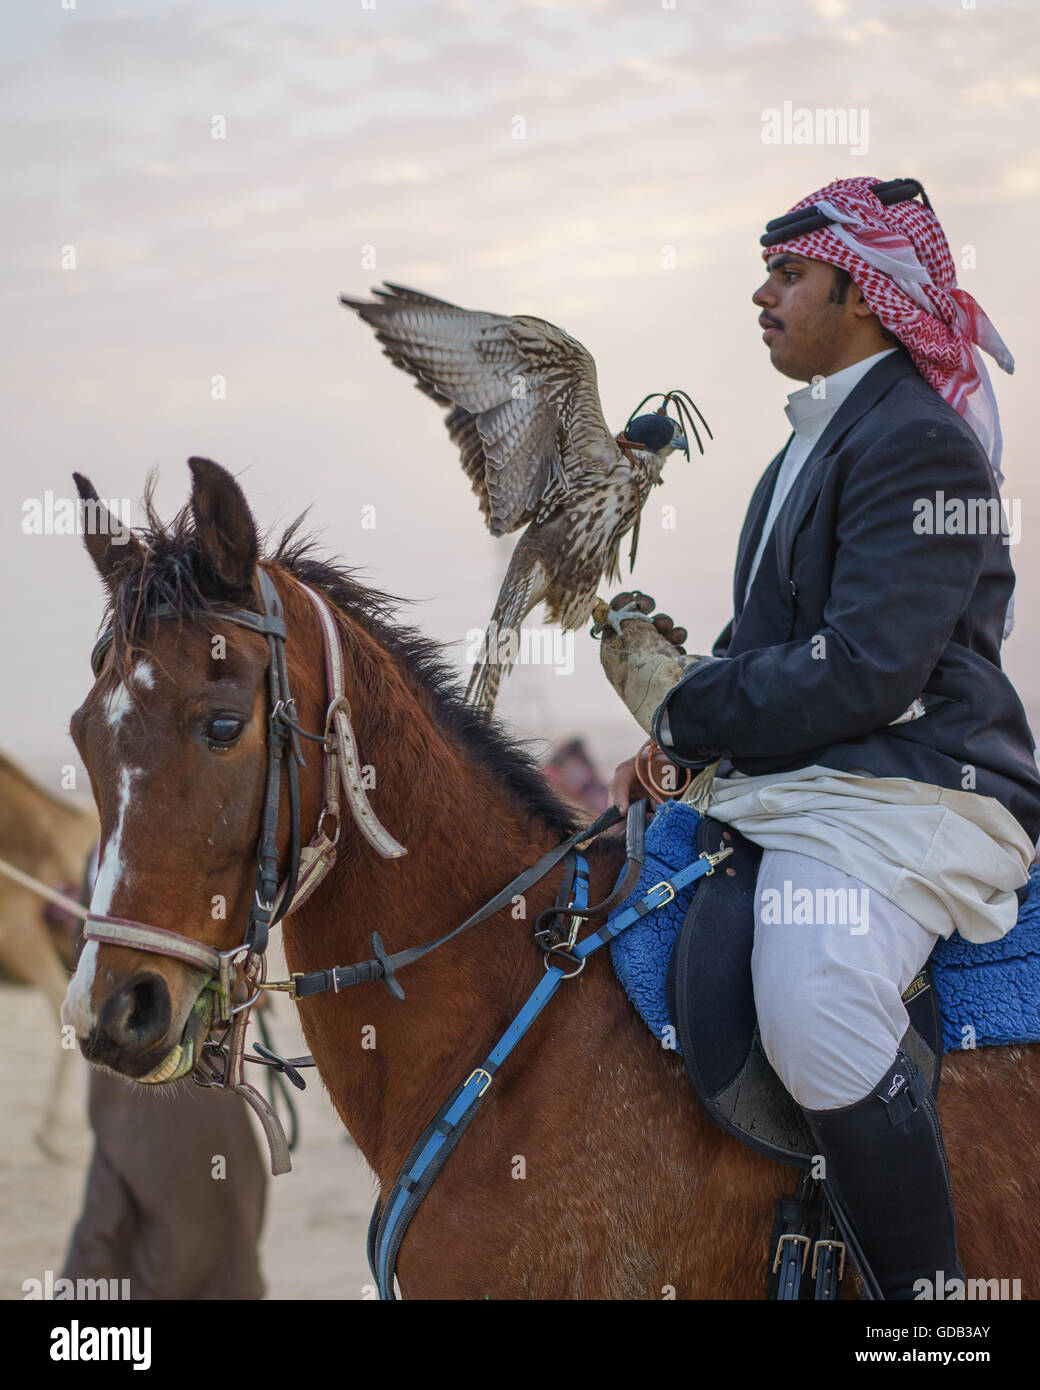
{"points": [[992, 989]]}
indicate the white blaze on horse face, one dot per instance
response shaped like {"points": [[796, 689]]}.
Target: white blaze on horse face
{"points": [[111, 869], [120, 697], [77, 1010], [117, 702]]}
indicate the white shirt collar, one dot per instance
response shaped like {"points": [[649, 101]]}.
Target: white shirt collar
{"points": [[810, 409]]}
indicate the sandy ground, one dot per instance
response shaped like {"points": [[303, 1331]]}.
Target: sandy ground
{"points": [[313, 1243]]}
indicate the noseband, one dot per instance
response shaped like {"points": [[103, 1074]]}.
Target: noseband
{"points": [[307, 864]]}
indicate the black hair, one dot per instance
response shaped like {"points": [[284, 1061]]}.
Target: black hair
{"points": [[839, 291], [840, 288]]}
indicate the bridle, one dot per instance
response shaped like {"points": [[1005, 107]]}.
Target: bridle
{"points": [[221, 1064], [307, 866]]}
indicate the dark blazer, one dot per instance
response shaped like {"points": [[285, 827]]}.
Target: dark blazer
{"points": [[854, 614]]}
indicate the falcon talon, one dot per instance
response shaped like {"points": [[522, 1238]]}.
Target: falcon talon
{"points": [[598, 616], [617, 616]]}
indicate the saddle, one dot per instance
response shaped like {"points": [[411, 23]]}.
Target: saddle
{"points": [[711, 1004]]}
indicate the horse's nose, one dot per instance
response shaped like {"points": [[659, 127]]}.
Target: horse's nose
{"points": [[135, 1017]]}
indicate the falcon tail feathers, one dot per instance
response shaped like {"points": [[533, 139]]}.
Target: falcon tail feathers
{"points": [[502, 636]]}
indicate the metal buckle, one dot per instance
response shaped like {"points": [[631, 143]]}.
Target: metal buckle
{"points": [[664, 884], [289, 986], [479, 1071], [547, 934], [715, 859], [829, 1245], [798, 1240], [572, 935]]}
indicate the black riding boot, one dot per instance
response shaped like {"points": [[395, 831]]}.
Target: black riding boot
{"points": [[887, 1166]]}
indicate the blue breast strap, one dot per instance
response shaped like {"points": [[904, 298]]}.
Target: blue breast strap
{"points": [[390, 1221]]}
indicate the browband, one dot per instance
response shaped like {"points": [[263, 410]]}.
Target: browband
{"points": [[267, 624]]}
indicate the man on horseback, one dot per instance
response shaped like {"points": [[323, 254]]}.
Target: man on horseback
{"points": [[854, 720]]}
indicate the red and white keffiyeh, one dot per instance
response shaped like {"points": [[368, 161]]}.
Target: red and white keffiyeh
{"points": [[900, 259]]}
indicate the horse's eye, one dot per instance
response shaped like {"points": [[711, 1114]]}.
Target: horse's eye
{"points": [[224, 729]]}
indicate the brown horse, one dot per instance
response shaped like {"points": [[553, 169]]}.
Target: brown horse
{"points": [[591, 1172], [49, 838]]}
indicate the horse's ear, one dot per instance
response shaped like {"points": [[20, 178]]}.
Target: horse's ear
{"points": [[224, 525], [110, 543]]}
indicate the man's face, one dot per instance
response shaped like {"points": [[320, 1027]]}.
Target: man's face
{"points": [[807, 330]]}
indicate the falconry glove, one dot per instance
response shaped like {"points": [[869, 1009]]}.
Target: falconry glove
{"points": [[640, 661]]}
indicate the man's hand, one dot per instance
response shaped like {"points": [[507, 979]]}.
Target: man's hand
{"points": [[625, 786]]}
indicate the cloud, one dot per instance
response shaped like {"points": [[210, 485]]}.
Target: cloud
{"points": [[394, 128]]}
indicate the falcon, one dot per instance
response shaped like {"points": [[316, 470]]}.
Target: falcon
{"points": [[524, 411]]}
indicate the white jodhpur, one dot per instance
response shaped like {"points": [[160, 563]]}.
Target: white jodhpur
{"points": [[830, 962]]}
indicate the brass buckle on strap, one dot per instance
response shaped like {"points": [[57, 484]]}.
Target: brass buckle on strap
{"points": [[479, 1071], [663, 884], [715, 859], [289, 986], [829, 1245], [798, 1240]]}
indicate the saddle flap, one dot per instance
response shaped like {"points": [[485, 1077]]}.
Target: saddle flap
{"points": [[711, 963]]}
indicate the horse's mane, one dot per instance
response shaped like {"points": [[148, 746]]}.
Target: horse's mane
{"points": [[173, 576]]}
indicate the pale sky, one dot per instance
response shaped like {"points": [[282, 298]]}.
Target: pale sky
{"points": [[629, 214]]}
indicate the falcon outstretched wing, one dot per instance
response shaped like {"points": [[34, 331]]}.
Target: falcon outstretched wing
{"points": [[525, 410]]}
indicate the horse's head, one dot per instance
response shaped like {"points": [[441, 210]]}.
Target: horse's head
{"points": [[174, 736], [214, 663]]}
